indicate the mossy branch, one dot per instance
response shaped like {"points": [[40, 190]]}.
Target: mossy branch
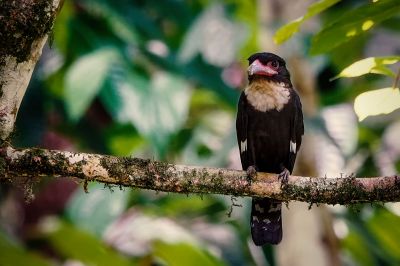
{"points": [[28, 164]]}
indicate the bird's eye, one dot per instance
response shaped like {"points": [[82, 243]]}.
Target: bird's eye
{"points": [[274, 64]]}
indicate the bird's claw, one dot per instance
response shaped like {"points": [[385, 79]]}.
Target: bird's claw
{"points": [[284, 177], [251, 173]]}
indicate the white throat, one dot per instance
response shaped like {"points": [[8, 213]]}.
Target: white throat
{"points": [[267, 95]]}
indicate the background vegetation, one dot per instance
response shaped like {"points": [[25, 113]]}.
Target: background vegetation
{"points": [[160, 80]]}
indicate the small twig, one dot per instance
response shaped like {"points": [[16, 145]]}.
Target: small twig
{"points": [[396, 80]]}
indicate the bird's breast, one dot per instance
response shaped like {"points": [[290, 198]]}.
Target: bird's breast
{"points": [[267, 95]]}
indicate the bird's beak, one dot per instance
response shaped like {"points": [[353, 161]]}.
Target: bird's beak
{"points": [[257, 68]]}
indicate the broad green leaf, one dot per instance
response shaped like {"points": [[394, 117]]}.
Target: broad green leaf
{"points": [[156, 107], [117, 23], [95, 210], [285, 32], [376, 102], [349, 52], [392, 24], [84, 79], [374, 65], [178, 205], [11, 254], [122, 140], [353, 23], [73, 243], [183, 254], [61, 30]]}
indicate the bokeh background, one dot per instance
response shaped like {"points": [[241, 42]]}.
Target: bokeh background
{"points": [[160, 80]]}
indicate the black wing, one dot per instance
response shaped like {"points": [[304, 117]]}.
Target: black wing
{"points": [[297, 130], [241, 130]]}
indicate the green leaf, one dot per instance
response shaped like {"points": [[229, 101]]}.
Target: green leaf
{"points": [[116, 22], [11, 254], [368, 65], [157, 108], [122, 140], [178, 205], [61, 30], [352, 24], [392, 24], [285, 32], [95, 210], [84, 79], [79, 245], [358, 249], [384, 226], [348, 52], [182, 254], [376, 102]]}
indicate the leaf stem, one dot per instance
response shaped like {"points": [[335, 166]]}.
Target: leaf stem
{"points": [[396, 81]]}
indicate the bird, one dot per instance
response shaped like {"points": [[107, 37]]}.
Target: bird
{"points": [[269, 127]]}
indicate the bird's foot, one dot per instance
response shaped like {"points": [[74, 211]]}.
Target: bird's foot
{"points": [[284, 177], [251, 173]]}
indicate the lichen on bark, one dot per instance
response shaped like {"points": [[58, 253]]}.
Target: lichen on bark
{"points": [[31, 164], [22, 22], [17, 165], [24, 26]]}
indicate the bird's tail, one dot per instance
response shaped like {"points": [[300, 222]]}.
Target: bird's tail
{"points": [[266, 221]]}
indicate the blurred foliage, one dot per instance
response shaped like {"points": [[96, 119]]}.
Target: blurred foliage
{"points": [[187, 255], [75, 244], [352, 24], [12, 254], [345, 38], [160, 80], [284, 33], [94, 211]]}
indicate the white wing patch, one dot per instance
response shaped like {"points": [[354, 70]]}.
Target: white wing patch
{"points": [[292, 146], [274, 209], [243, 146], [259, 208], [267, 221]]}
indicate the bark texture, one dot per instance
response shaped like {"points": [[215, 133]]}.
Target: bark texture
{"points": [[24, 27], [26, 165]]}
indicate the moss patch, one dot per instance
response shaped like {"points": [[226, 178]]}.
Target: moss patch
{"points": [[345, 191], [22, 22], [3, 166]]}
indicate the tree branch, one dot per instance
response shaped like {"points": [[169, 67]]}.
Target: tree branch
{"points": [[134, 172], [24, 26]]}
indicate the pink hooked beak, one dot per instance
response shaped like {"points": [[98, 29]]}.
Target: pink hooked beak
{"points": [[257, 68]]}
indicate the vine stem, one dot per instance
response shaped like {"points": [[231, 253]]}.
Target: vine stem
{"points": [[397, 79]]}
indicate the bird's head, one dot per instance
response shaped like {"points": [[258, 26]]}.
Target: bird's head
{"points": [[268, 66]]}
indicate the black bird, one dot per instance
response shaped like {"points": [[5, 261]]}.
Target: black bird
{"points": [[269, 128]]}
